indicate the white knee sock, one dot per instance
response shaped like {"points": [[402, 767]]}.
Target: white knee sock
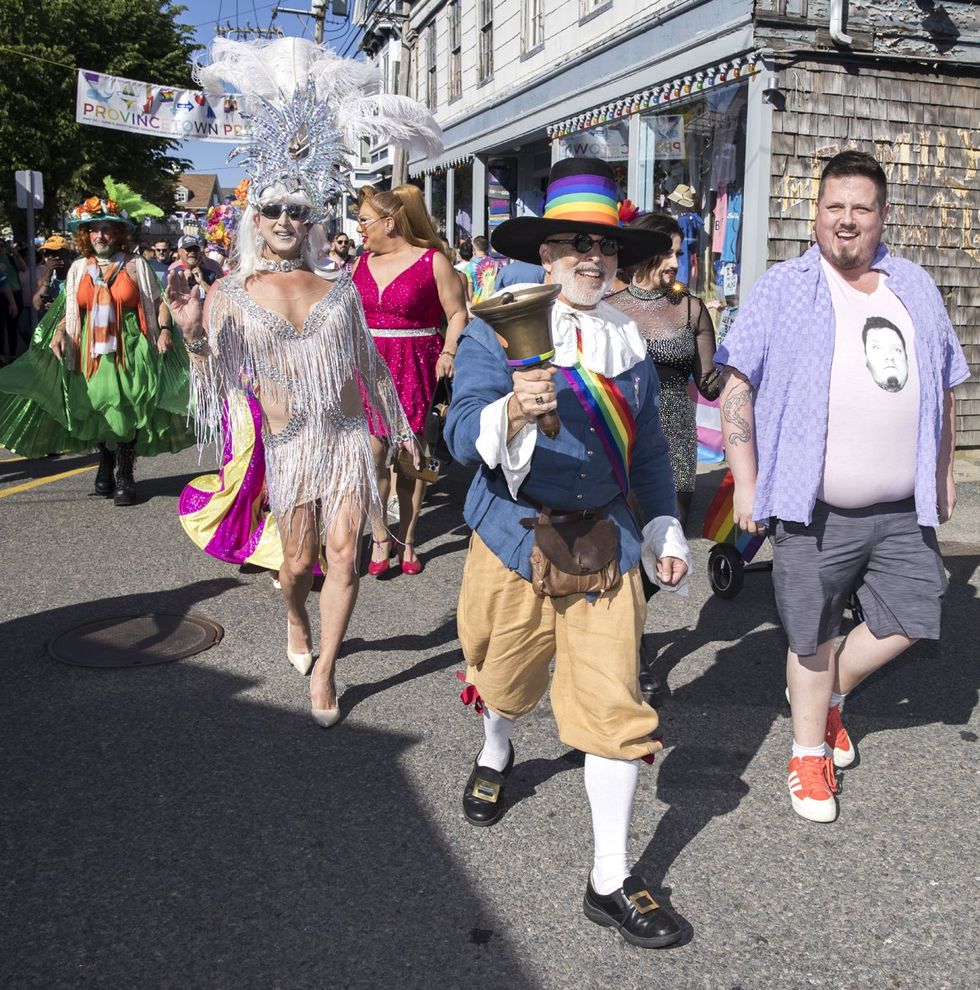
{"points": [[610, 785], [496, 748]]}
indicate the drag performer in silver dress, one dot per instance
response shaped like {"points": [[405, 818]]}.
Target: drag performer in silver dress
{"points": [[292, 335]]}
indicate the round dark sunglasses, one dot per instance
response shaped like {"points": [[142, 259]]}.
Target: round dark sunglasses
{"points": [[295, 211], [583, 243]]}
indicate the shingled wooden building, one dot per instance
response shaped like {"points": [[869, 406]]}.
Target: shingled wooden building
{"points": [[900, 79]]}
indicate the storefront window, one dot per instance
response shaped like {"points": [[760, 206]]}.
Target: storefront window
{"points": [[691, 164], [438, 210], [464, 202], [610, 142]]}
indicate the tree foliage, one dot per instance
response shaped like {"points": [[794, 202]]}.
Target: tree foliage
{"points": [[136, 39]]}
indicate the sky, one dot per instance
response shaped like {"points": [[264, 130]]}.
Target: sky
{"points": [[205, 15]]}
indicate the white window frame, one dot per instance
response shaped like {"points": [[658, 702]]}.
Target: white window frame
{"points": [[455, 78], [484, 12], [431, 77], [532, 25]]}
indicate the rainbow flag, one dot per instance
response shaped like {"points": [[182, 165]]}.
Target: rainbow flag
{"points": [[609, 412], [719, 523]]}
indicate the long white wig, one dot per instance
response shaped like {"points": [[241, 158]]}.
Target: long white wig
{"points": [[248, 241]]}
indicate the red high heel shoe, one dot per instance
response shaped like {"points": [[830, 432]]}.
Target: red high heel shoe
{"points": [[409, 566], [377, 567]]}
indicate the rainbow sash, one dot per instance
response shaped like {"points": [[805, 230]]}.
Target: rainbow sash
{"points": [[608, 412], [719, 523]]}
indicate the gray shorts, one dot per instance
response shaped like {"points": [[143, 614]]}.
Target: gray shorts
{"points": [[880, 551]]}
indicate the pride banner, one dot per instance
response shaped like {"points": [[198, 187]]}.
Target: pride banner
{"points": [[157, 111]]}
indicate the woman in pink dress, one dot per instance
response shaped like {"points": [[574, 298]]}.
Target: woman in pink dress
{"points": [[407, 286]]}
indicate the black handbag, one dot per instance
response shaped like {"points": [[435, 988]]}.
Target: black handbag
{"points": [[435, 422]]}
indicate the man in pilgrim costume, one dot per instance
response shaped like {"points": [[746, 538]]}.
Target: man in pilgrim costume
{"points": [[610, 443]]}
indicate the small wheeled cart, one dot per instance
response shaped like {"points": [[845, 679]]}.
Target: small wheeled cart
{"points": [[733, 550]]}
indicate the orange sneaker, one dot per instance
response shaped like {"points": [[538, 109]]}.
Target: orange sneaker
{"points": [[838, 742], [812, 787]]}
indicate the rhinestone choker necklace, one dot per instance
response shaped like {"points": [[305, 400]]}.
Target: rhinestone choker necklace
{"points": [[286, 265], [637, 293]]}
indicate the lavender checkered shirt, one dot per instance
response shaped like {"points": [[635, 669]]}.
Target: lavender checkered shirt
{"points": [[783, 342]]}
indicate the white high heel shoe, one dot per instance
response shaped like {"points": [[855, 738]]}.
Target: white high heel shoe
{"points": [[326, 717], [303, 662]]}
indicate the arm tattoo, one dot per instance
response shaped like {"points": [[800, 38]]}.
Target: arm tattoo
{"points": [[732, 411]]}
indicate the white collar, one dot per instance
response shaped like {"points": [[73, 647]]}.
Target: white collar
{"points": [[611, 341]]}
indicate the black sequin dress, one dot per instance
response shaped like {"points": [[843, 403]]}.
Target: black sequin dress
{"points": [[680, 339]]}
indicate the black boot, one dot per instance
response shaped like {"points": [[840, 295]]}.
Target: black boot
{"points": [[104, 484], [125, 493]]}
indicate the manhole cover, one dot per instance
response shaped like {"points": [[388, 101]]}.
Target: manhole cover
{"points": [[135, 640]]}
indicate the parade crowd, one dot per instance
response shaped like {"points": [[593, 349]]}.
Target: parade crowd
{"points": [[313, 365]]}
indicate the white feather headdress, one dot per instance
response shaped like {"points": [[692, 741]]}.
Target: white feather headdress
{"points": [[307, 108]]}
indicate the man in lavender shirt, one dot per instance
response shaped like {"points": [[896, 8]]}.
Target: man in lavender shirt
{"points": [[838, 418]]}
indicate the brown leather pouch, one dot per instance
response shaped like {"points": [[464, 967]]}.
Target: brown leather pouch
{"points": [[573, 554]]}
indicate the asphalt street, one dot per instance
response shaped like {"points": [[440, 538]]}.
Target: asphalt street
{"points": [[188, 826]]}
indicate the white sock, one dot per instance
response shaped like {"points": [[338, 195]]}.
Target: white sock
{"points": [[496, 748], [610, 785], [837, 700], [802, 751]]}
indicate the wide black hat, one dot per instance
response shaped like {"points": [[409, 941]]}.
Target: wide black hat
{"points": [[581, 198]]}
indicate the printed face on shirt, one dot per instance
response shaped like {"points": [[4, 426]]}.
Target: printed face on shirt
{"points": [[584, 278], [884, 350], [849, 222]]}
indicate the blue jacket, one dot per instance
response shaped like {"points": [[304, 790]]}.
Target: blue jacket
{"points": [[570, 472]]}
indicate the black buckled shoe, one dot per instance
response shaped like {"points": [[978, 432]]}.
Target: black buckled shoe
{"points": [[125, 492], [650, 686], [634, 913], [483, 799]]}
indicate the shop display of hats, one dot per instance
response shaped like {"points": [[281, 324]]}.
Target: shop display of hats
{"points": [[683, 196], [581, 198]]}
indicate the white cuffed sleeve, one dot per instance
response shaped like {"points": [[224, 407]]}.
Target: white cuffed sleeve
{"points": [[513, 458], [664, 537]]}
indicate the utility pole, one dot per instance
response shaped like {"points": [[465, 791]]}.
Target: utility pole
{"points": [[399, 160], [318, 11]]}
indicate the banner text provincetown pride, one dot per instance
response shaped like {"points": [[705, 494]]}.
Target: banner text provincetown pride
{"points": [[155, 110]]}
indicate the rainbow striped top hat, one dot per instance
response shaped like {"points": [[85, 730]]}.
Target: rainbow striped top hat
{"points": [[581, 198]]}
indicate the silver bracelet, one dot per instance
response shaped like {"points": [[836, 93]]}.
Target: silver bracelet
{"points": [[198, 345]]}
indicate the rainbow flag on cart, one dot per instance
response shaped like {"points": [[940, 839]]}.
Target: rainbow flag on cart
{"points": [[719, 523]]}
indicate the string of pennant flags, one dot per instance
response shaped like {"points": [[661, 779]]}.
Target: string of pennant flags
{"points": [[681, 88]]}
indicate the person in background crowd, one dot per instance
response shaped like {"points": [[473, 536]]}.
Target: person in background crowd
{"points": [[160, 261], [11, 265], [848, 463], [518, 273], [200, 271], [510, 629], [56, 258], [680, 338], [407, 286], [105, 368], [480, 272], [339, 256]]}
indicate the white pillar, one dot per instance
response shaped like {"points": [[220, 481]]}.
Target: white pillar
{"points": [[428, 192], [451, 205], [479, 205], [758, 167]]}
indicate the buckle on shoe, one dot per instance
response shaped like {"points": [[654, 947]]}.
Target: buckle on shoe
{"points": [[485, 790], [643, 902]]}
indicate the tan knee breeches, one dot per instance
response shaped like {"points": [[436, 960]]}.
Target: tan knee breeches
{"points": [[509, 636]]}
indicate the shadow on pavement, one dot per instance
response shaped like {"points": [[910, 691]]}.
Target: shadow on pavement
{"points": [[717, 723], [163, 830]]}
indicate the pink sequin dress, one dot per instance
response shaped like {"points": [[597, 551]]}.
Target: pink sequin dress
{"points": [[404, 321]]}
